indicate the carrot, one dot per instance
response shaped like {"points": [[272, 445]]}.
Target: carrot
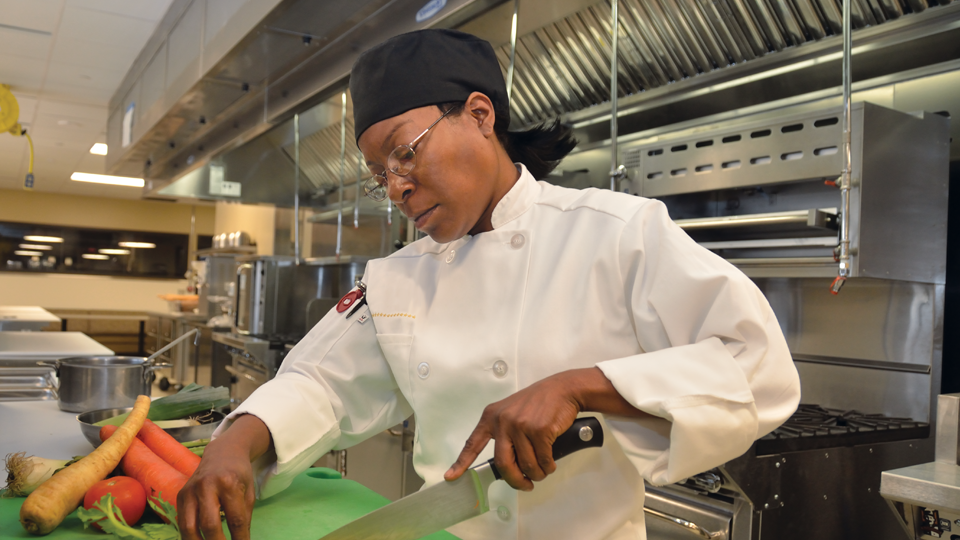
{"points": [[54, 499], [157, 477], [168, 448]]}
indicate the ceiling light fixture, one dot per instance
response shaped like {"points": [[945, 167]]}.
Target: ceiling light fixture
{"points": [[35, 238], [27, 253], [114, 251], [144, 245], [39, 247], [95, 256], [106, 179], [99, 149]]}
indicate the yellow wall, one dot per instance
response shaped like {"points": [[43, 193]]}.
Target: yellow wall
{"points": [[63, 291], [103, 213], [60, 291], [259, 221]]}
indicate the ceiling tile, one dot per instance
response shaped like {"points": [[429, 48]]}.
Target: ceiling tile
{"points": [[10, 144], [151, 10], [10, 182], [27, 102], [63, 128], [27, 45], [85, 77], [54, 137], [97, 55], [84, 25], [72, 92], [21, 73], [34, 14], [10, 164], [54, 107], [92, 163]]}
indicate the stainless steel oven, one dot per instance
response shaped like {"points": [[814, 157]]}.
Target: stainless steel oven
{"points": [[264, 286], [759, 191], [246, 377]]}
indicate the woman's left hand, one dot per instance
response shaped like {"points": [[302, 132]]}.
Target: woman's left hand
{"points": [[524, 426]]}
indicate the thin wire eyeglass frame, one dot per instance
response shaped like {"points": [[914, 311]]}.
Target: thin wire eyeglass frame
{"points": [[375, 187]]}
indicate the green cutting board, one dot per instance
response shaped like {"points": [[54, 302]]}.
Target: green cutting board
{"points": [[317, 503]]}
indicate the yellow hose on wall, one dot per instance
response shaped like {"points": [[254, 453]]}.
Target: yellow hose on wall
{"points": [[10, 122]]}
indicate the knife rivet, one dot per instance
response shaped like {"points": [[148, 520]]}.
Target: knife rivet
{"points": [[586, 434], [503, 513]]}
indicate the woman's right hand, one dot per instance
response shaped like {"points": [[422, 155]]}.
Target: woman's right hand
{"points": [[223, 481]]}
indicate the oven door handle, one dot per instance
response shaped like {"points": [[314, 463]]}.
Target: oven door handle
{"points": [[239, 373], [689, 525]]}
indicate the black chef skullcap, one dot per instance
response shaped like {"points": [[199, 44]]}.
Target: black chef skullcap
{"points": [[422, 68]]}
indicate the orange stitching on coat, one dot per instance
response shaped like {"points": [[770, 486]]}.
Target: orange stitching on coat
{"points": [[394, 315]]}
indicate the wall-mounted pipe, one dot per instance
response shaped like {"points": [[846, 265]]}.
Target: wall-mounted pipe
{"points": [[343, 169], [513, 49], [356, 206], [846, 151], [616, 171], [296, 188]]}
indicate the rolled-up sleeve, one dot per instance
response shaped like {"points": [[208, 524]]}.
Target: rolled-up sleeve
{"points": [[334, 390], [716, 373]]}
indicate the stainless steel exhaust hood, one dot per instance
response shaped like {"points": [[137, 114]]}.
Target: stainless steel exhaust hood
{"points": [[678, 60], [173, 112], [680, 50]]}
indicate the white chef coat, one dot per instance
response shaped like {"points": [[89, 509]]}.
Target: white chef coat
{"points": [[566, 279]]}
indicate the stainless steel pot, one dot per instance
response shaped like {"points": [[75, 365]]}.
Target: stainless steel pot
{"points": [[89, 383]]}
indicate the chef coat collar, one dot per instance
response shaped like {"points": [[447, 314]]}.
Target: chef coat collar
{"points": [[516, 202]]}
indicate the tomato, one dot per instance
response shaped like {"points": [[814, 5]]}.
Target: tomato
{"points": [[128, 496]]}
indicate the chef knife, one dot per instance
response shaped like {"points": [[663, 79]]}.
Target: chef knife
{"points": [[448, 503]]}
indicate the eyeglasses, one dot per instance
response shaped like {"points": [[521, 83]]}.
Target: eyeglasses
{"points": [[400, 162]]}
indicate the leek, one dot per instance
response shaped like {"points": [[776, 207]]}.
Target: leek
{"points": [[192, 399]]}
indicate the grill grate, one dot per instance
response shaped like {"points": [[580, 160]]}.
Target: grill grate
{"points": [[813, 427]]}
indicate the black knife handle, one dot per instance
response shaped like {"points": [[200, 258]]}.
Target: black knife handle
{"points": [[585, 432]]}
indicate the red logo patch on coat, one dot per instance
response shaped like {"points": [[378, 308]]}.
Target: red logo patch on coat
{"points": [[349, 300]]}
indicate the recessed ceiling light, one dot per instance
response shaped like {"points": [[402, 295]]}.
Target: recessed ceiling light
{"points": [[145, 245], [95, 256], [106, 179], [35, 238], [114, 251], [99, 149], [27, 253], [39, 247]]}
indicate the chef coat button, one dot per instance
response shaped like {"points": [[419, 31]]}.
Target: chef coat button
{"points": [[517, 241], [500, 369], [423, 370], [451, 255], [503, 513]]}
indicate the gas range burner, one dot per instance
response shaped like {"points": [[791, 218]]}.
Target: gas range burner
{"points": [[813, 427]]}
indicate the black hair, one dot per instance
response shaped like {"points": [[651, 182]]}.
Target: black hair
{"points": [[540, 148]]}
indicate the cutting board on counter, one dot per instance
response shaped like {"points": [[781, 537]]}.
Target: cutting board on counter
{"points": [[314, 505]]}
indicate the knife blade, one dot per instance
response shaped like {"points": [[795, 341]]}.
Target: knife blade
{"points": [[448, 503]]}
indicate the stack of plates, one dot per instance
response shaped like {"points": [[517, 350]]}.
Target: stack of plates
{"points": [[24, 380], [27, 358]]}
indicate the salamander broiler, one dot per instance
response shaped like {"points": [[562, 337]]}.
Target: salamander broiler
{"points": [[759, 192]]}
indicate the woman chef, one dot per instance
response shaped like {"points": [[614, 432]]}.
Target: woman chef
{"points": [[526, 305]]}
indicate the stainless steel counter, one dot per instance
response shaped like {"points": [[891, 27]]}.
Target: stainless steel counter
{"points": [[40, 428]]}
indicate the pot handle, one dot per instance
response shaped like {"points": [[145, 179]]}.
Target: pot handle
{"points": [[55, 364], [150, 368]]}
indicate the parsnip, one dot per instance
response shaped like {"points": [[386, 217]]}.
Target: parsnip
{"points": [[53, 500]]}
